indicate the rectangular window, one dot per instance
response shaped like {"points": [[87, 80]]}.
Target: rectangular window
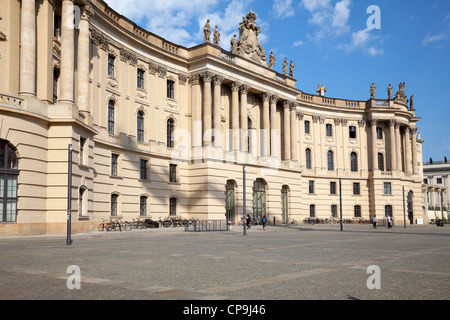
{"points": [[334, 211], [143, 170], [379, 133], [439, 180], [111, 59], [143, 206], [307, 127], [140, 78], [311, 186], [387, 188], [312, 211], [356, 188], [170, 89], [333, 187], [357, 211], [329, 130], [114, 204], [173, 207], [83, 157], [352, 132], [173, 173], [114, 164]]}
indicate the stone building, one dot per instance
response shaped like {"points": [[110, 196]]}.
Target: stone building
{"points": [[436, 183], [158, 129]]}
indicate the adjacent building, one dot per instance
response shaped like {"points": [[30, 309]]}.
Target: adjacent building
{"points": [[436, 196], [157, 129]]}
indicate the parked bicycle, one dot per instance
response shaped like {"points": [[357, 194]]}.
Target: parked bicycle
{"points": [[290, 221]]}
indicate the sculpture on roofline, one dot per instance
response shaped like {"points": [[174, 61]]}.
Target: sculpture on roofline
{"points": [[291, 69], [372, 91], [233, 44], [400, 95], [285, 67], [271, 60], [411, 106], [207, 32], [216, 39], [389, 90], [248, 45]]}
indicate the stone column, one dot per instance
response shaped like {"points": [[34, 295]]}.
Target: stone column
{"points": [[218, 141], [235, 114], [301, 133], [28, 48], [294, 132], [414, 150], [392, 142], [398, 146], [84, 60], [373, 124], [408, 150], [266, 126], [287, 130], [244, 118], [274, 131], [207, 77], [196, 117], [67, 53]]}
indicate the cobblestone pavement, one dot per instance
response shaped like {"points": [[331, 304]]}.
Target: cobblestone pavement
{"points": [[281, 263]]}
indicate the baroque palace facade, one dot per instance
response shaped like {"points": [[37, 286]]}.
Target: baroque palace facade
{"points": [[158, 129]]}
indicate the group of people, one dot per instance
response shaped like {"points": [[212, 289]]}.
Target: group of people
{"points": [[389, 222], [248, 221]]}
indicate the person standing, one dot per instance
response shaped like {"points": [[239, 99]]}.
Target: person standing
{"points": [[374, 222], [264, 220], [389, 221], [249, 220]]}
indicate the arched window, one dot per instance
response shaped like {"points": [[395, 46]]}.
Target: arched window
{"points": [[308, 158], [170, 133], [380, 161], [111, 117], [353, 162], [8, 182], [330, 157], [140, 126]]}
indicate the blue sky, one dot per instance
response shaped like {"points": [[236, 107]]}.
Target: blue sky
{"points": [[329, 42]]}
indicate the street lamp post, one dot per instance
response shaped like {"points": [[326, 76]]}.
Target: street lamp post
{"points": [[340, 200], [69, 198], [243, 186]]}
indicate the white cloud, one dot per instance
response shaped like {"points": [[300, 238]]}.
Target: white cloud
{"points": [[376, 52], [299, 43], [283, 9], [331, 20], [433, 38], [172, 19], [313, 5]]}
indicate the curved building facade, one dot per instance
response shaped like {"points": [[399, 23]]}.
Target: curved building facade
{"points": [[158, 129]]}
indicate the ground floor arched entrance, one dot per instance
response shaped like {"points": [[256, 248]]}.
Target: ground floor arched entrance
{"points": [[230, 201], [259, 200]]}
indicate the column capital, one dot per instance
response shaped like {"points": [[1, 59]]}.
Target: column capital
{"points": [[86, 13], [265, 97], [286, 104], [274, 98], [373, 122], [207, 76], [194, 79], [235, 86], [245, 89], [392, 123], [361, 123], [217, 80]]}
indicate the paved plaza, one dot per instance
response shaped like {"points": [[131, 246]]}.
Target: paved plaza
{"points": [[302, 262]]}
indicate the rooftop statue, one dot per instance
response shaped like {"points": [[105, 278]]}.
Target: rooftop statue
{"points": [[207, 32], [271, 60], [233, 44], [285, 67], [216, 38], [291, 69], [389, 90], [372, 91], [248, 45], [411, 103], [400, 95]]}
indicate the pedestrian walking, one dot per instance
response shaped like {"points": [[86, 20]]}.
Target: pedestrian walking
{"points": [[249, 220], [264, 220], [389, 221], [374, 222]]}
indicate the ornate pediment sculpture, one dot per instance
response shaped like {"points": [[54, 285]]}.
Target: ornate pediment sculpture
{"points": [[248, 45]]}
